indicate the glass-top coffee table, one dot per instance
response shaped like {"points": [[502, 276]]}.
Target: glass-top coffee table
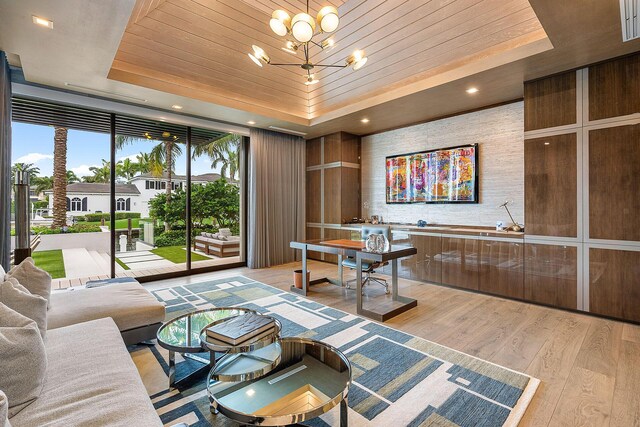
{"points": [[287, 382], [185, 335]]}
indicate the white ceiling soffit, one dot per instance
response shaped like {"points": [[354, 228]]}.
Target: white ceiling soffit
{"points": [[630, 21], [53, 95]]}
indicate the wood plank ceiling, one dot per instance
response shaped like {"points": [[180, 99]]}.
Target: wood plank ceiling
{"points": [[198, 49]]}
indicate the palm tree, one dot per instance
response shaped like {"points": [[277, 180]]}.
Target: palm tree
{"points": [[144, 163], [59, 177], [100, 173], [72, 177], [28, 168], [162, 158], [223, 151], [127, 169], [42, 183]]}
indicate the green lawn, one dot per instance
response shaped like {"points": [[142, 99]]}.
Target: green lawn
{"points": [[120, 223], [50, 261], [122, 264], [177, 254]]}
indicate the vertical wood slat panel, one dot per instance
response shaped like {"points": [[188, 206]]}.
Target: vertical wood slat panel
{"points": [[614, 168], [550, 177], [314, 147], [550, 102], [614, 283], [614, 88]]}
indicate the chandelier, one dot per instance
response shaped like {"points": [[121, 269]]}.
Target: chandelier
{"points": [[302, 28]]}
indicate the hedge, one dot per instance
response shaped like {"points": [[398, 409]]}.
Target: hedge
{"points": [[97, 217], [171, 238], [78, 228]]}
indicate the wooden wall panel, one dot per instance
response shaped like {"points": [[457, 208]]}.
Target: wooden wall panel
{"points": [[550, 182], [550, 102], [313, 233], [350, 149], [314, 147], [332, 148], [551, 275], [614, 88], [614, 283], [614, 170], [313, 196], [350, 193], [502, 268], [332, 196]]}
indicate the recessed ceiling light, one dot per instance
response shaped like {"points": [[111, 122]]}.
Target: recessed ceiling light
{"points": [[365, 120], [472, 90], [42, 22], [176, 107], [251, 122], [547, 143]]}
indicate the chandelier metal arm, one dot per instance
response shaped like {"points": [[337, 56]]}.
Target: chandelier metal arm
{"points": [[333, 66], [285, 65]]}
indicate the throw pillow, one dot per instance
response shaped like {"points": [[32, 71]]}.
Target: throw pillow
{"points": [[225, 232], [36, 280], [2, 273], [203, 234], [223, 238], [4, 410], [24, 360], [18, 298], [215, 235]]}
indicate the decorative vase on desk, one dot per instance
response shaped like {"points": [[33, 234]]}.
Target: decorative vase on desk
{"points": [[377, 243]]}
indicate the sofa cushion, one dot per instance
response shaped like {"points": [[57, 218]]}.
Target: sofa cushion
{"points": [[18, 298], [2, 273], [4, 410], [23, 359], [129, 304], [36, 280], [91, 381]]}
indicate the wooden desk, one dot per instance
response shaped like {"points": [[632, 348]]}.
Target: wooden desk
{"points": [[355, 249]]}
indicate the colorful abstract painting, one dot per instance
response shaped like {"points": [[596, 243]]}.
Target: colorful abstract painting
{"points": [[440, 176]]}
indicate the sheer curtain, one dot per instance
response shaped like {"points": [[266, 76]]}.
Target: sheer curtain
{"points": [[5, 161], [276, 197]]}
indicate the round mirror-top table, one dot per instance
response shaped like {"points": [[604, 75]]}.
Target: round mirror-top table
{"points": [[287, 382], [186, 335]]}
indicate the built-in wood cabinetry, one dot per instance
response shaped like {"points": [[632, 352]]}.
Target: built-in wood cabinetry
{"points": [[614, 183], [550, 176], [614, 283], [550, 102], [460, 264], [582, 162], [333, 185], [551, 274], [614, 88], [501, 268]]}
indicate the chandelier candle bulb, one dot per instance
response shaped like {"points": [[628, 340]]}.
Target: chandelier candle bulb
{"points": [[328, 19], [302, 27], [280, 22]]}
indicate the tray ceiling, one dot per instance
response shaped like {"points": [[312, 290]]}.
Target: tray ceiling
{"points": [[198, 49]]}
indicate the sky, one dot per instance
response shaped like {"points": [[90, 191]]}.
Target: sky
{"points": [[34, 144]]}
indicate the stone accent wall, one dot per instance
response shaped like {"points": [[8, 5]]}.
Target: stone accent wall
{"points": [[499, 133]]}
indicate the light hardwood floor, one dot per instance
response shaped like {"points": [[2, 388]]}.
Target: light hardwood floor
{"points": [[589, 367]]}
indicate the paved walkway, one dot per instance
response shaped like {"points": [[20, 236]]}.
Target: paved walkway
{"points": [[143, 260], [79, 262]]}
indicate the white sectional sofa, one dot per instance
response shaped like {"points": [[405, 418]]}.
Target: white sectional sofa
{"points": [[91, 380]]}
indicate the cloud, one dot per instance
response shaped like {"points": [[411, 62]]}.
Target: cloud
{"points": [[132, 157], [33, 158], [83, 170]]}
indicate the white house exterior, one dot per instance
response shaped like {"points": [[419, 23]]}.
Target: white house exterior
{"points": [[85, 197]]}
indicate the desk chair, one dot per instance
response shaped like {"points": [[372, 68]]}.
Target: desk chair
{"points": [[368, 267]]}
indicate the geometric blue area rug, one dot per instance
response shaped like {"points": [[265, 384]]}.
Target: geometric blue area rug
{"points": [[398, 379]]}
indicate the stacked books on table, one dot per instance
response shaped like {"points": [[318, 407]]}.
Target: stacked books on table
{"points": [[238, 330]]}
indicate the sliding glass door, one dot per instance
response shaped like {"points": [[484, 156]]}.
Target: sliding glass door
{"points": [[167, 197]]}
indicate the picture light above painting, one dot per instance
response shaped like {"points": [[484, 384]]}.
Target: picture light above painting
{"points": [[445, 175]]}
